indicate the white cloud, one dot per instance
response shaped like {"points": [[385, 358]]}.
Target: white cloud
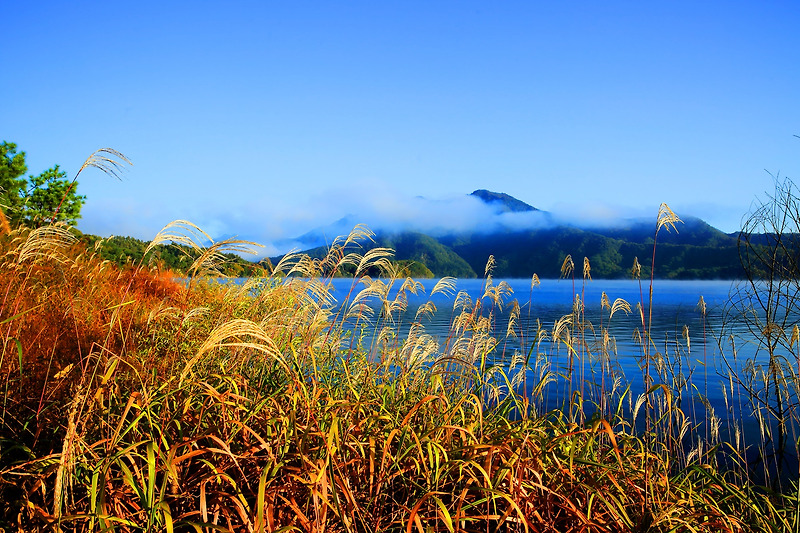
{"points": [[281, 225]]}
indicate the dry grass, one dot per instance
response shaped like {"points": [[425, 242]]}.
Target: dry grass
{"points": [[133, 402]]}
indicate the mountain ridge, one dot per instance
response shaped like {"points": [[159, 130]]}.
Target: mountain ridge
{"points": [[696, 250], [507, 202]]}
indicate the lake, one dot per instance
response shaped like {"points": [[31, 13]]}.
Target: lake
{"points": [[701, 367]]}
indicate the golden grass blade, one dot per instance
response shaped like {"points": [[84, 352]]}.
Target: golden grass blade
{"points": [[636, 270], [376, 257], [513, 318], [237, 329], [567, 267], [561, 331], [667, 218], [489, 266], [181, 232], [462, 301], [285, 263], [446, 286], [427, 309], [411, 285], [620, 305], [45, 243], [108, 161], [701, 305], [359, 233], [211, 259]]}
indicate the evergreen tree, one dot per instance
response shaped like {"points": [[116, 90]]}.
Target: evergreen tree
{"points": [[36, 200]]}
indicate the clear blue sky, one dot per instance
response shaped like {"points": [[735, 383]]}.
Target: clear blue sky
{"points": [[266, 119]]}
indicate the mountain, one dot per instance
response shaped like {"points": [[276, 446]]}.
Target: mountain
{"points": [[430, 252], [522, 254], [696, 251], [438, 259], [692, 231], [504, 202], [319, 237]]}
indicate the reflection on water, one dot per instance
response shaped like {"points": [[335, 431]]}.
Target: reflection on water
{"points": [[686, 351]]}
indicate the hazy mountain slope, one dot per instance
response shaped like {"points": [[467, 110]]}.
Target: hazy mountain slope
{"points": [[409, 246], [440, 259], [696, 250], [692, 231], [522, 254], [543, 252]]}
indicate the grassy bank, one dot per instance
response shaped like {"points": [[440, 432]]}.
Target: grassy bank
{"points": [[132, 402]]}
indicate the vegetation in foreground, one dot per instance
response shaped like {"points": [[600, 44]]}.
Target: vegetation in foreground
{"points": [[132, 402]]}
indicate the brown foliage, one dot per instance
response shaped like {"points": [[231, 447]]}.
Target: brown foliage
{"points": [[58, 314]]}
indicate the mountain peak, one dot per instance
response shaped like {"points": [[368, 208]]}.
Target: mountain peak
{"points": [[502, 200]]}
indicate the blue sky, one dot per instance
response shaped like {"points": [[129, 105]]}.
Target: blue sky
{"points": [[267, 119]]}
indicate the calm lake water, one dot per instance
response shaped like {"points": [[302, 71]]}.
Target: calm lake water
{"points": [[703, 365], [675, 305]]}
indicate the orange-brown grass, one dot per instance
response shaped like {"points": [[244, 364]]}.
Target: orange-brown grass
{"points": [[133, 402], [60, 308]]}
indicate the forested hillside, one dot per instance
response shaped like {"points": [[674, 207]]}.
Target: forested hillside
{"points": [[178, 258], [695, 251]]}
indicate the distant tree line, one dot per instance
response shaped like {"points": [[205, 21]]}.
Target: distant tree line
{"points": [[178, 258]]}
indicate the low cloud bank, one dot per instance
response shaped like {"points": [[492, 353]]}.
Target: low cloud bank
{"points": [[281, 226], [336, 212]]}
